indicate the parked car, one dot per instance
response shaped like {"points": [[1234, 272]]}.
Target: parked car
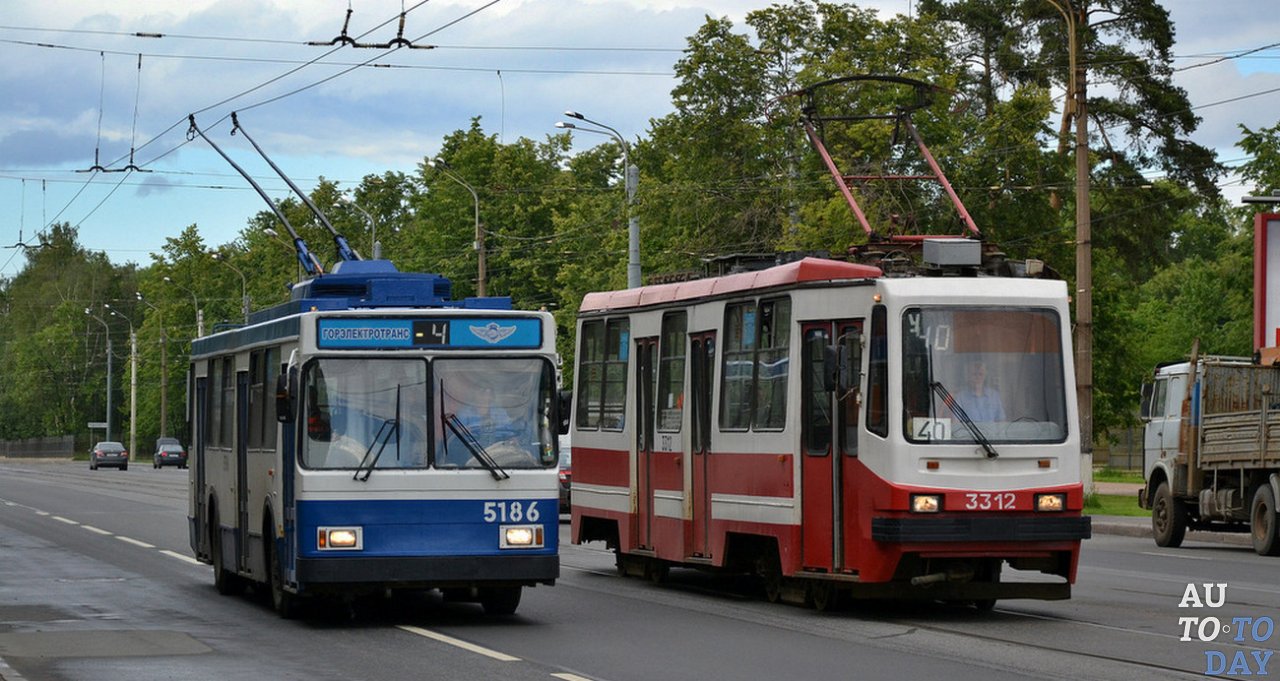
{"points": [[109, 454], [566, 472], [169, 452]]}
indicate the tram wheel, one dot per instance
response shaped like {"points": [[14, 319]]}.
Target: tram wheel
{"points": [[500, 600], [985, 604], [770, 573], [657, 571], [823, 595]]}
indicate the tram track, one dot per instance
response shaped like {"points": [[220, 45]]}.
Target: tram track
{"points": [[1009, 638]]}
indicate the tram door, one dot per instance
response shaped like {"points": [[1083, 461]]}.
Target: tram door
{"points": [[829, 437], [242, 469], [646, 372], [702, 358]]}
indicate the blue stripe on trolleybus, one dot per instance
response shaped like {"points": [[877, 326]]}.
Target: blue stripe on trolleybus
{"points": [[437, 527]]}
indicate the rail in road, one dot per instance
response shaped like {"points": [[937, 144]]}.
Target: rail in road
{"points": [[1124, 621]]}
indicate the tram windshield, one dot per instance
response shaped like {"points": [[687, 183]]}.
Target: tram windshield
{"points": [[379, 413], [983, 374]]}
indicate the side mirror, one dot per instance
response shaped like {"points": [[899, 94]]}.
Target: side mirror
{"points": [[1147, 389], [564, 410], [286, 389]]}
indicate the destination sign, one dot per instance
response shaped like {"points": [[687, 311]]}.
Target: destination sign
{"points": [[471, 333]]}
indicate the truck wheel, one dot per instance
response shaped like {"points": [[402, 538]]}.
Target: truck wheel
{"points": [[1263, 522], [1168, 518]]}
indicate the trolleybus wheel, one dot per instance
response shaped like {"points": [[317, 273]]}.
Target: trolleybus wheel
{"points": [[1168, 518], [284, 603], [985, 604], [227, 583], [1263, 522], [500, 600]]}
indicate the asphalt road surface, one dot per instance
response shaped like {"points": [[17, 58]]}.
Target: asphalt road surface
{"points": [[96, 583]]}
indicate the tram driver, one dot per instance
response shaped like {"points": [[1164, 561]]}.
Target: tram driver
{"points": [[979, 400]]}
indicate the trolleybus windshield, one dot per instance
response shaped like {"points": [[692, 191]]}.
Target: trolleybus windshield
{"points": [[367, 413], [971, 374]]}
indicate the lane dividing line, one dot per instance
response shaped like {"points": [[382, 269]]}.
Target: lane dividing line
{"points": [[459, 643], [135, 542], [570, 677], [97, 530], [179, 556], [64, 520]]}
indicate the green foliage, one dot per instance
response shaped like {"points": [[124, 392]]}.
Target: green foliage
{"points": [[730, 170]]}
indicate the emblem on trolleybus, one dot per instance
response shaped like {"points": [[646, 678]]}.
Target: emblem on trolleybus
{"points": [[492, 333]]}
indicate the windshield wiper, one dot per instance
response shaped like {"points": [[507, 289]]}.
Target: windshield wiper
{"points": [[388, 428], [459, 429], [956, 409]]}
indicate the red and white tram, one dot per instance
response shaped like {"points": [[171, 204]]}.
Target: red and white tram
{"points": [[834, 430]]}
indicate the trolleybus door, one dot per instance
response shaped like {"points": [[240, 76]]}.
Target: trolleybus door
{"points": [[196, 438], [646, 360], [242, 466], [824, 473], [702, 357]]}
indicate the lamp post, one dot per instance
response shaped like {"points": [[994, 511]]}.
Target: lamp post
{"points": [[374, 247], [632, 177], [478, 244], [194, 303], [108, 330], [133, 379], [244, 286], [164, 366], [1084, 244]]}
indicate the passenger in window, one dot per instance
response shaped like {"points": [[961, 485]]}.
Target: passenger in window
{"points": [[980, 401]]}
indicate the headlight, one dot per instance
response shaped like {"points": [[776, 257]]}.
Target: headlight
{"points": [[339, 539], [1051, 502], [520, 537], [926, 503]]}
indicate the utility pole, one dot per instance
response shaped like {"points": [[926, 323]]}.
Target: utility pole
{"points": [[1077, 100]]}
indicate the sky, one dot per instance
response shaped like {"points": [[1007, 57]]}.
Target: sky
{"points": [[77, 95]]}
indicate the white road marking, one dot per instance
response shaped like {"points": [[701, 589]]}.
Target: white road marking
{"points": [[65, 520], [135, 542], [501, 657], [97, 530], [1174, 555], [179, 556], [570, 677]]}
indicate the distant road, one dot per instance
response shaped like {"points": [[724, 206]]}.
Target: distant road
{"points": [[97, 583]]}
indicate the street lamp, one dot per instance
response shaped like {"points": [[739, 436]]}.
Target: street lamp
{"points": [[374, 247], [478, 244], [108, 330], [194, 303], [164, 365], [632, 176], [244, 286], [133, 379]]}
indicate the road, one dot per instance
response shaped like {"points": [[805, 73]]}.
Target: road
{"points": [[97, 584]]}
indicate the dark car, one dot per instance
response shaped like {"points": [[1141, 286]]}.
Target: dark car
{"points": [[169, 452], [109, 454], [566, 472]]}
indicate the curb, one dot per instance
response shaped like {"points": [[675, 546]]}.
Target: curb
{"points": [[1109, 525]]}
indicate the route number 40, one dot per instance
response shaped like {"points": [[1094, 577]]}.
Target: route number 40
{"points": [[511, 512]]}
